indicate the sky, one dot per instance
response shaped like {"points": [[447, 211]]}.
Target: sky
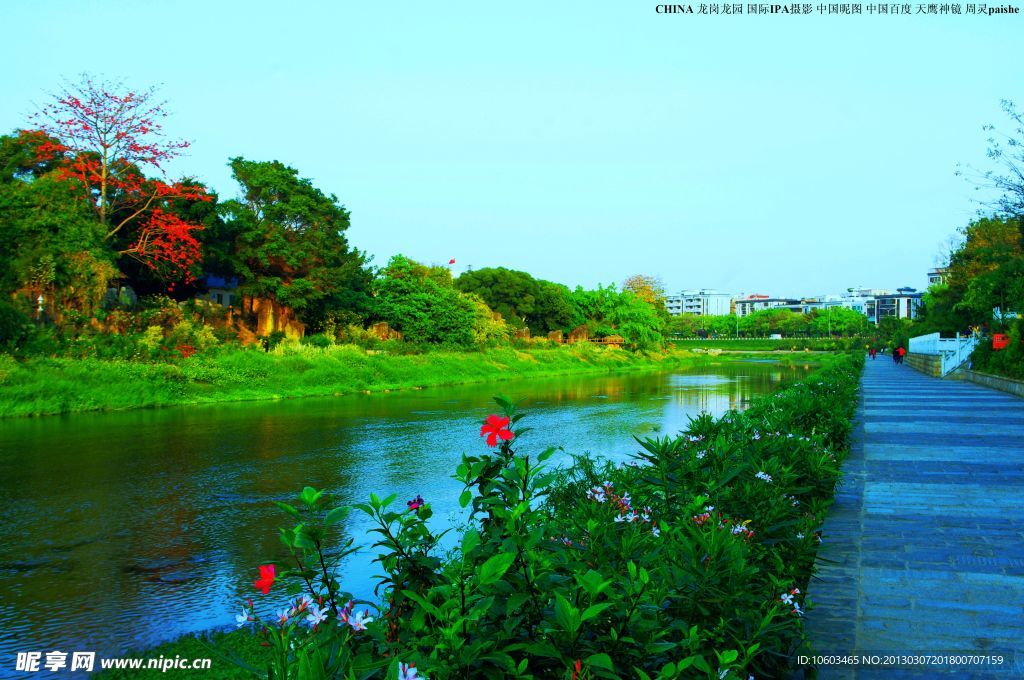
{"points": [[582, 142]]}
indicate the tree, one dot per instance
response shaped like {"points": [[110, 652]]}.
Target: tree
{"points": [[650, 289], [423, 304], [1007, 151], [50, 242], [102, 138], [610, 312], [521, 300], [838, 321], [289, 244]]}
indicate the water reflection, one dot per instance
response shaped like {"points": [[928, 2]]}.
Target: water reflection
{"points": [[129, 529]]}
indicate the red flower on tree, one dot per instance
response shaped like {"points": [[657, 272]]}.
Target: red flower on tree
{"points": [[102, 137], [266, 578], [496, 427]]}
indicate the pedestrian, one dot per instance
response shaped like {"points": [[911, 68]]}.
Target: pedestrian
{"points": [[872, 353], [899, 353]]}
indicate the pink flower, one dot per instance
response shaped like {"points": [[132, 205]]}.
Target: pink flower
{"points": [[415, 503]]}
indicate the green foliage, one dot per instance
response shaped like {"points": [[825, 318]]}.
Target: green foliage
{"points": [[985, 272], [289, 243], [1008, 361], [691, 561], [108, 371], [15, 326], [610, 312], [521, 299], [422, 303]]}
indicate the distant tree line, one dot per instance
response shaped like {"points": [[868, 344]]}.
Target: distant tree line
{"points": [[86, 208]]}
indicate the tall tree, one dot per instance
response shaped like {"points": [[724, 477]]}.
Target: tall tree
{"points": [[104, 137], [521, 300], [290, 245]]}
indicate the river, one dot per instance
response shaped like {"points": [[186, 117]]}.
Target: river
{"points": [[123, 530]]}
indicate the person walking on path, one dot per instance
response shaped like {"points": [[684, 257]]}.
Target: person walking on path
{"points": [[872, 352], [899, 354]]}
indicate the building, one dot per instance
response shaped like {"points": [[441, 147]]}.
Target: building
{"points": [[903, 304], [937, 275], [702, 302], [221, 290], [674, 304], [755, 303]]}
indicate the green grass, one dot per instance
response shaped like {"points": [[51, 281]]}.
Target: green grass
{"points": [[48, 386]]}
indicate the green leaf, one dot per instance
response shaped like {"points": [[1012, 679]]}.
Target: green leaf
{"points": [[336, 515], [466, 497], [547, 453], [470, 540], [594, 609], [601, 661], [494, 568], [310, 496], [287, 508], [566, 615]]}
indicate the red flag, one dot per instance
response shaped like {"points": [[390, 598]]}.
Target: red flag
{"points": [[451, 261]]}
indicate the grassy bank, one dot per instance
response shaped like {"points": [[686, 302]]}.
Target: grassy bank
{"points": [[48, 386]]}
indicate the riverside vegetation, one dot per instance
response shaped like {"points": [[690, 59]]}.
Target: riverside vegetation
{"points": [[44, 386], [690, 561]]}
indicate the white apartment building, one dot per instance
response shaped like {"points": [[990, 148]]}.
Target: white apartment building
{"points": [[702, 302]]}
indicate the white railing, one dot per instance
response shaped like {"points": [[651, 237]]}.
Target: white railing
{"points": [[953, 351]]}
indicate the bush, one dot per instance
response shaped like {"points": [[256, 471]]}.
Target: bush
{"points": [[689, 561], [15, 326]]}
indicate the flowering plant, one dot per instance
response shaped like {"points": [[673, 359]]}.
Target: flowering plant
{"points": [[691, 561]]}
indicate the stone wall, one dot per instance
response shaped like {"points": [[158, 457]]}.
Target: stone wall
{"points": [[997, 382], [929, 364], [272, 317]]}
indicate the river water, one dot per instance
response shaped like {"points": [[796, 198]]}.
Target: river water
{"points": [[124, 530]]}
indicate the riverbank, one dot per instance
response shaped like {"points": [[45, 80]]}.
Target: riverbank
{"points": [[53, 386], [799, 433]]}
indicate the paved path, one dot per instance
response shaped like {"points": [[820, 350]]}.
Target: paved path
{"points": [[924, 548]]}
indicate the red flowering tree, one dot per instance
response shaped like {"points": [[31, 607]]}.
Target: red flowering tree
{"points": [[104, 138]]}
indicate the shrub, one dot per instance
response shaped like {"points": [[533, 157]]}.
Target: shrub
{"points": [[689, 561]]}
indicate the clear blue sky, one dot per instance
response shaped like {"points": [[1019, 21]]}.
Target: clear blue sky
{"points": [[580, 141]]}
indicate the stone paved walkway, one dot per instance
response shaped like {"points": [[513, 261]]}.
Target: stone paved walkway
{"points": [[924, 548]]}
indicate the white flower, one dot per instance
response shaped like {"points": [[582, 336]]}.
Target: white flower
{"points": [[797, 610], [359, 621], [242, 619], [625, 499], [708, 508], [300, 605], [620, 518], [701, 454], [316, 615], [282, 616], [765, 476], [800, 535], [656, 531], [722, 674], [596, 494], [786, 598], [408, 672]]}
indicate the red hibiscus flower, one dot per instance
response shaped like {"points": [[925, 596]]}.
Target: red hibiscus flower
{"points": [[266, 578], [495, 427], [415, 503]]}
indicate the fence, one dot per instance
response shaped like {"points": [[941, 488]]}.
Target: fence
{"points": [[953, 351]]}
